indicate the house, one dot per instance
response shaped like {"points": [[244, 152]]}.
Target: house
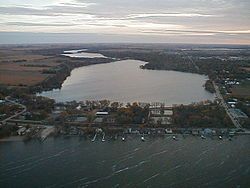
{"points": [[208, 131], [168, 112], [79, 107], [231, 103], [161, 114], [195, 132], [102, 113], [161, 120], [168, 131], [110, 120], [98, 120], [154, 105], [155, 112], [81, 119]]}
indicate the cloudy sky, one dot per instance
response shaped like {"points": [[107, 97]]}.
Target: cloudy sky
{"points": [[180, 21]]}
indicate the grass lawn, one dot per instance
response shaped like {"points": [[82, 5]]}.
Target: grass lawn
{"points": [[242, 90]]}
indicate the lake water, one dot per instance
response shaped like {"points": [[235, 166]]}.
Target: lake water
{"points": [[124, 81], [157, 162], [81, 54]]}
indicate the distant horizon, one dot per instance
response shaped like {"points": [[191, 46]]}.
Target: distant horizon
{"points": [[33, 38]]}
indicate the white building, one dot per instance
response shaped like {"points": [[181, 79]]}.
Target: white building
{"points": [[102, 113]]}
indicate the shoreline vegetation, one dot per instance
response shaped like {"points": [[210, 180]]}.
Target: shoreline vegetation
{"points": [[56, 68]]}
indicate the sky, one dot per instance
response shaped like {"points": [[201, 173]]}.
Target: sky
{"points": [[149, 21]]}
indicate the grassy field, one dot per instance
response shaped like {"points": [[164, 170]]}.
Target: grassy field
{"points": [[21, 78], [21, 66], [29, 65], [242, 90]]}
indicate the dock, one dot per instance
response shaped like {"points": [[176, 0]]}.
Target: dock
{"points": [[46, 132]]}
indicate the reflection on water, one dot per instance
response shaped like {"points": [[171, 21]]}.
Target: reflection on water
{"points": [[124, 81], [82, 54], [157, 162]]}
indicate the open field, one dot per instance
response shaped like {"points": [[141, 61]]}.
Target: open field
{"points": [[33, 65], [242, 90], [21, 78], [20, 66]]}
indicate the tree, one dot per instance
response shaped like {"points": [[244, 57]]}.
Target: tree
{"points": [[104, 103], [114, 106]]}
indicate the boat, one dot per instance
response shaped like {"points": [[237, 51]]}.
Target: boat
{"points": [[103, 137], [203, 137], [94, 138], [142, 138]]}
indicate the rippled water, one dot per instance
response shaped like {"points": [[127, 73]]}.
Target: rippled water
{"points": [[124, 81], [157, 162]]}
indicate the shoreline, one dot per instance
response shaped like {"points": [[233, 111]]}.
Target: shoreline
{"points": [[204, 95], [98, 136], [12, 139]]}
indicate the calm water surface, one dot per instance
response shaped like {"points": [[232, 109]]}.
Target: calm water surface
{"points": [[124, 81], [157, 162], [81, 54]]}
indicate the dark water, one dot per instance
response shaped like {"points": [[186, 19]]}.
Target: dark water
{"points": [[157, 162], [124, 81]]}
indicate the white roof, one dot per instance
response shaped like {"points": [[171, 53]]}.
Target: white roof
{"points": [[168, 112], [101, 113]]}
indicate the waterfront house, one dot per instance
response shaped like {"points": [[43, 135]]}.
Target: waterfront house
{"points": [[155, 112], [168, 112], [168, 131], [195, 132], [102, 113], [159, 114]]}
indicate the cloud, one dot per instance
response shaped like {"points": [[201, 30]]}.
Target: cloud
{"points": [[82, 5], [198, 32], [227, 18], [39, 24], [147, 15]]}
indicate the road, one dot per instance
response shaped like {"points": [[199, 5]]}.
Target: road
{"points": [[223, 103], [191, 60], [15, 115]]}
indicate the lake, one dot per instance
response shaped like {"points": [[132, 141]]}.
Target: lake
{"points": [[157, 162], [124, 81], [81, 54]]}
